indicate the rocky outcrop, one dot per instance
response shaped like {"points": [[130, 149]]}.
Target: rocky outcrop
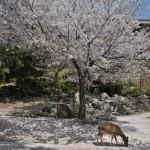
{"points": [[118, 105]]}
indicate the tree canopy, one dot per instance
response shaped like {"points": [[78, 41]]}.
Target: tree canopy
{"points": [[96, 37]]}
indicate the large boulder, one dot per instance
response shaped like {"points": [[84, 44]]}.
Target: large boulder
{"points": [[96, 103], [104, 96], [142, 103]]}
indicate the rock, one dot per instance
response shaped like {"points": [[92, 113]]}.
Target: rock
{"points": [[95, 100], [146, 106], [93, 112], [122, 98], [8, 100], [143, 97], [88, 98], [116, 96], [104, 96], [96, 103], [64, 111], [119, 98], [129, 110], [107, 108], [123, 110], [76, 98], [46, 109], [96, 106]]}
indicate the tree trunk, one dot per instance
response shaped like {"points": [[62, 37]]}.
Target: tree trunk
{"points": [[82, 106], [3, 76]]}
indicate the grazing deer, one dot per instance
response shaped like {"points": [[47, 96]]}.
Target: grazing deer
{"points": [[112, 129], [64, 111]]}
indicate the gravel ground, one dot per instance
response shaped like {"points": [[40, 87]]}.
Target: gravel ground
{"points": [[18, 133]]}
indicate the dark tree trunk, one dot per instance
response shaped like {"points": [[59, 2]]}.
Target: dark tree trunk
{"points": [[82, 106]]}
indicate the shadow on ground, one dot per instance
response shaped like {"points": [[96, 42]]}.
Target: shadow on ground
{"points": [[145, 146], [108, 144], [140, 146], [42, 148], [15, 132], [9, 137]]}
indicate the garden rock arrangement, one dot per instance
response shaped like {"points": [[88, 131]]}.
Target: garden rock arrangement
{"points": [[118, 105], [103, 107]]}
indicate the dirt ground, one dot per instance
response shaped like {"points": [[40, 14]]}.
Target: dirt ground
{"points": [[23, 133], [7, 108]]}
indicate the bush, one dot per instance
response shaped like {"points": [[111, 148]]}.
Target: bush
{"points": [[110, 88], [132, 88], [135, 92], [16, 63], [48, 86], [65, 81], [147, 90], [8, 91], [39, 85]]}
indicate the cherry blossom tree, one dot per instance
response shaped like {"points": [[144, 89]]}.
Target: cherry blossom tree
{"points": [[94, 36]]}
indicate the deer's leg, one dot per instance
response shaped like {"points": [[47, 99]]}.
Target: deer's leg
{"points": [[116, 139], [112, 138], [99, 135]]}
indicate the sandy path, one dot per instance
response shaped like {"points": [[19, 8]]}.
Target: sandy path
{"points": [[40, 133]]}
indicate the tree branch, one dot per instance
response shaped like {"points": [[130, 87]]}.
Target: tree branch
{"points": [[115, 57], [92, 39], [100, 67], [114, 40], [77, 67], [79, 29]]}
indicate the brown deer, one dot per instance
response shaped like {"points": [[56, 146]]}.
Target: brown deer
{"points": [[64, 111], [112, 129]]}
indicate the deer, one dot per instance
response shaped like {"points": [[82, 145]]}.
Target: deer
{"points": [[64, 111], [112, 129]]}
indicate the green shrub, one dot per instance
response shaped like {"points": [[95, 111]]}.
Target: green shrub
{"points": [[16, 63], [147, 90], [135, 92], [110, 88], [133, 88], [40, 85], [66, 86], [130, 87], [8, 91]]}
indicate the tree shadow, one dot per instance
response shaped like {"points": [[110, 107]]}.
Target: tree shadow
{"points": [[51, 130], [34, 110], [139, 146], [108, 144], [11, 135], [117, 121], [6, 140], [45, 130], [42, 148], [145, 146]]}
